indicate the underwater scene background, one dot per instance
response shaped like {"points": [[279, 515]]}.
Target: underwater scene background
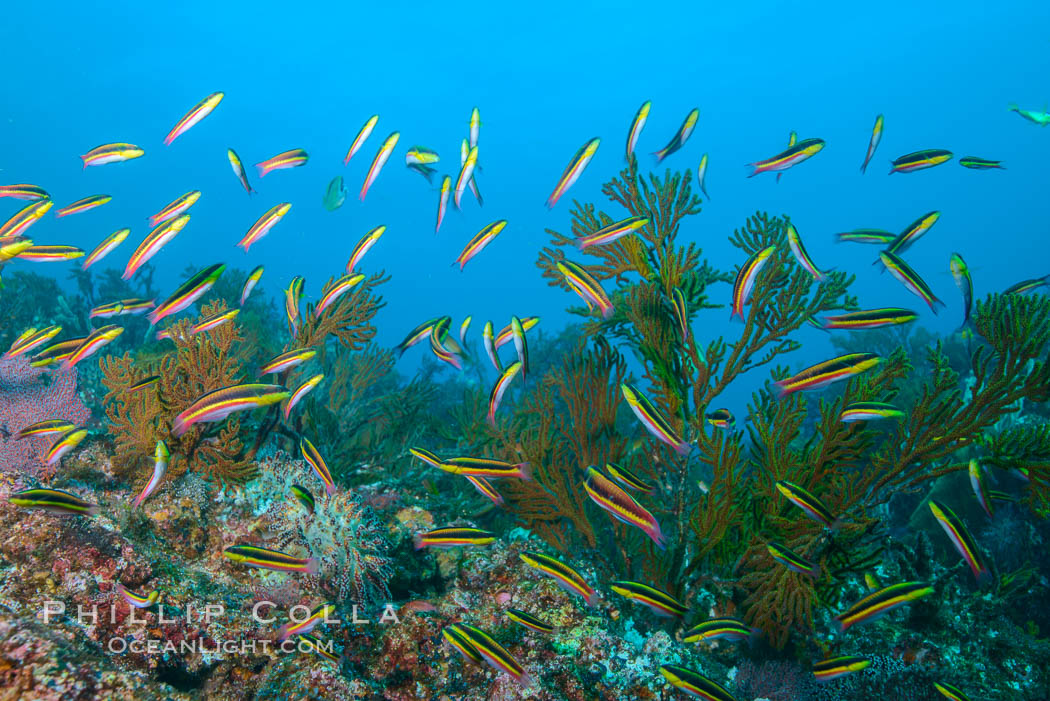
{"points": [[400, 352]]}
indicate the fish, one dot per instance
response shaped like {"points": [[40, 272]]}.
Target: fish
{"points": [[567, 578], [111, 153], [520, 345], [201, 110], [427, 457], [879, 603], [950, 692], [529, 621], [64, 444], [106, 311], [452, 537], [802, 256], [587, 287], [135, 599], [494, 653], [488, 340], [811, 506], [31, 339], [612, 232], [876, 137], [746, 277], [362, 136], [825, 373], [701, 176], [250, 283], [724, 628], [506, 334], [218, 404], [498, 389], [573, 171], [136, 306], [792, 140], [317, 464], [464, 325], [293, 158], [24, 218], [836, 667], [622, 506], [681, 311], [721, 418], [876, 236], [303, 496], [870, 318], [662, 603], [480, 240], [319, 615], [13, 246], [653, 419], [792, 560], [154, 241], [56, 501], [694, 684], [98, 338], [335, 291], [961, 275], [420, 155], [1026, 286], [486, 467], [629, 479], [187, 293], [286, 361], [56, 352], [335, 194], [238, 170], [637, 124], [920, 160], [975, 163], [455, 637], [82, 205], [161, 455], [214, 321], [792, 156], [104, 248], [47, 427], [1035, 116], [263, 224], [466, 173], [142, 384], [292, 296], [415, 336], [910, 279], [474, 127], [320, 647], [913, 232], [364, 246], [50, 254], [24, 191], [266, 559], [437, 346], [472, 183], [679, 139], [980, 489], [869, 411], [446, 190], [381, 157], [960, 537]]}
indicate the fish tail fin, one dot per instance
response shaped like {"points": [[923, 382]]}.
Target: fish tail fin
{"points": [[417, 542], [524, 470], [282, 633], [863, 167], [93, 510], [1012, 107], [753, 637], [984, 577], [330, 489], [313, 566]]}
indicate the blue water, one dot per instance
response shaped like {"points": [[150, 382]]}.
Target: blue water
{"points": [[546, 77]]}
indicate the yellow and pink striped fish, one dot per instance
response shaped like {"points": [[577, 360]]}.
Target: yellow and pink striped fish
{"points": [[105, 247], [218, 404], [361, 137], [83, 205], [154, 241], [482, 239], [111, 153], [293, 158], [263, 225], [622, 506], [573, 171], [201, 110], [746, 277], [175, 208], [382, 156]]}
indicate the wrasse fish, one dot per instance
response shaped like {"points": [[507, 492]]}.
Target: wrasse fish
{"points": [[464, 153], [301, 391], [56, 501], [529, 621], [612, 232], [201, 110], [701, 175], [111, 153], [187, 293], [485, 487], [507, 332], [452, 537], [238, 170], [474, 127], [105, 247], [446, 190], [494, 653], [962, 540], [455, 637], [381, 157], [437, 346], [679, 139], [498, 389], [466, 175], [836, 667], [303, 496], [975, 163], [802, 256], [622, 506], [106, 311], [792, 140], [681, 311], [1034, 116], [911, 234], [266, 559], [792, 560], [50, 254], [293, 158], [876, 137], [175, 208], [662, 603], [489, 341], [628, 479], [870, 318], [869, 411], [725, 628], [1026, 286], [950, 692], [910, 279], [792, 156], [135, 599], [31, 339], [362, 136], [92, 344], [317, 464], [567, 578], [263, 224], [486, 467], [721, 418], [25, 218], [920, 160], [876, 236], [573, 171], [47, 427], [83, 205], [320, 647], [463, 326], [250, 283], [980, 489], [220, 403], [64, 444], [161, 455], [694, 683], [520, 345], [637, 124], [364, 246], [587, 287], [214, 321], [335, 291], [56, 352], [653, 419], [416, 335], [24, 191], [744, 283], [823, 374], [810, 505], [482, 239], [319, 615], [419, 155], [881, 602], [154, 241], [12, 246], [136, 306], [961, 275]]}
